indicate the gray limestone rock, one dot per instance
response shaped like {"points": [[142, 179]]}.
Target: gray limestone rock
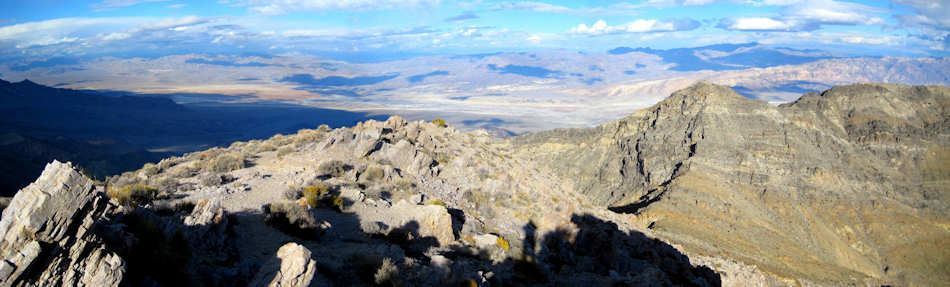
{"points": [[47, 234], [292, 267]]}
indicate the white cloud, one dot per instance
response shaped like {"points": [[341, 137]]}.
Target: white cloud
{"points": [[806, 16], [754, 24], [277, 7], [106, 5], [531, 6], [864, 40], [534, 39], [622, 8], [637, 26]]}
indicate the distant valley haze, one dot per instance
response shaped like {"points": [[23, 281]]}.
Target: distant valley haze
{"points": [[506, 67]]}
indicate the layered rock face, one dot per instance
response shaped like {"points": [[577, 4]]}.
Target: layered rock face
{"points": [[847, 186], [48, 235]]}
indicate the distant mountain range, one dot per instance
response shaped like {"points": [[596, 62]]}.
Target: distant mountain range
{"points": [[728, 56]]}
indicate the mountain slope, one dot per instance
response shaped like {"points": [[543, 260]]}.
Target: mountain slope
{"points": [[850, 184]]}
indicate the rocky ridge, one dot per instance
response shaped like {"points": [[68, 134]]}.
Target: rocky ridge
{"points": [[844, 187], [382, 203], [828, 190]]}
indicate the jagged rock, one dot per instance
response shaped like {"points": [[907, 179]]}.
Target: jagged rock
{"points": [[207, 212], [292, 267], [47, 234], [206, 231]]}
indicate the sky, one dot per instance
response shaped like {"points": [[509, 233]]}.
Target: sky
{"points": [[45, 29]]}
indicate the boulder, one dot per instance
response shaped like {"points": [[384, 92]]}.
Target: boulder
{"points": [[47, 233], [420, 221], [292, 267]]}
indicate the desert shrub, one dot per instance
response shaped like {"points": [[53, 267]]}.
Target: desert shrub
{"points": [[265, 147], [226, 162], [502, 243], [284, 150], [138, 194], [387, 273], [439, 122], [337, 202], [292, 192], [279, 140], [333, 168], [168, 163], [314, 193], [167, 184], [4, 202], [292, 219], [437, 202], [183, 171], [306, 136], [237, 145], [151, 169], [371, 174]]}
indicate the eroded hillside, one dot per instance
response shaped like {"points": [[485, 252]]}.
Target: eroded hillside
{"points": [[847, 186]]}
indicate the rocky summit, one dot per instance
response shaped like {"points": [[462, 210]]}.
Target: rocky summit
{"points": [[706, 188]]}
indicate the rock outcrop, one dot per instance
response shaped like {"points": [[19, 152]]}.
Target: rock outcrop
{"points": [[843, 187], [292, 267], [48, 234]]}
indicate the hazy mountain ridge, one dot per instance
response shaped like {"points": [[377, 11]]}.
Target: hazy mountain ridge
{"points": [[530, 91]]}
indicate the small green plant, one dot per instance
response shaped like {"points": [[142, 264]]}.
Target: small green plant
{"points": [[437, 202], [313, 193], [226, 162], [439, 122], [502, 243], [337, 202], [138, 194]]}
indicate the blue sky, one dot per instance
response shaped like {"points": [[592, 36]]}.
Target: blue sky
{"points": [[39, 29]]}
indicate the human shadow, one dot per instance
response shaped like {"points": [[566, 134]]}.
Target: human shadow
{"points": [[598, 250]]}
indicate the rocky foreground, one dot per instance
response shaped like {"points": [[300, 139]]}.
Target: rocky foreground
{"points": [[706, 188]]}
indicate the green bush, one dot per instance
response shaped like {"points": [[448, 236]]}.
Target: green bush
{"points": [[314, 193], [138, 194], [439, 122], [291, 219], [226, 162]]}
